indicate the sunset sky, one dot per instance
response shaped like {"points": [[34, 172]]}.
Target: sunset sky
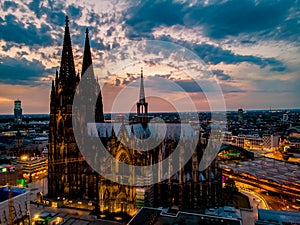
{"points": [[251, 48]]}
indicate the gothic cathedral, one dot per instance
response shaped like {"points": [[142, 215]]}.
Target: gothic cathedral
{"points": [[71, 177]]}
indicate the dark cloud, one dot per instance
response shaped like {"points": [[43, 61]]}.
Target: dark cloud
{"points": [[53, 11], [99, 44], [150, 14], [289, 30], [94, 17], [20, 71], [191, 86], [110, 31], [221, 75], [235, 17], [211, 54], [56, 18], [118, 82], [130, 79], [228, 88], [74, 12], [215, 55], [21, 54], [270, 19], [188, 85], [248, 42], [9, 4], [8, 46], [14, 31], [166, 76], [278, 69]]}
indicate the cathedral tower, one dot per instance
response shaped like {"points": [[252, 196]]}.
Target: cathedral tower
{"points": [[69, 175], [63, 176]]}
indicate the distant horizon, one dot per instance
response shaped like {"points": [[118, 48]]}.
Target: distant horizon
{"points": [[245, 110]]}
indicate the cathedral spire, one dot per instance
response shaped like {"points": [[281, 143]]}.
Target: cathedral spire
{"points": [[142, 105], [56, 78], [87, 56], [53, 86], [142, 91], [87, 68], [67, 68]]}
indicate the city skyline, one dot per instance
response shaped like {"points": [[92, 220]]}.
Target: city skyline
{"points": [[253, 53]]}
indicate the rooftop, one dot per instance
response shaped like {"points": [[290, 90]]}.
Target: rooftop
{"points": [[158, 217], [281, 217], [270, 169]]}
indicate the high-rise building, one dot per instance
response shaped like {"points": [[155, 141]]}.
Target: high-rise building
{"points": [[18, 111], [240, 115], [70, 176]]}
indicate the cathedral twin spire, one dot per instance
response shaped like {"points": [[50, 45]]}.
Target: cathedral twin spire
{"points": [[67, 80], [67, 68], [87, 55]]}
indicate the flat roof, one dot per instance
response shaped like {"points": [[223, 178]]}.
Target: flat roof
{"points": [[269, 169], [145, 215], [281, 215]]}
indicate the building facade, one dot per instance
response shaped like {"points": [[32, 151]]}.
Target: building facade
{"points": [[18, 111], [270, 141], [70, 176]]}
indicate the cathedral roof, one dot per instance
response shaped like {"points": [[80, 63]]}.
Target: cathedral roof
{"points": [[173, 131]]}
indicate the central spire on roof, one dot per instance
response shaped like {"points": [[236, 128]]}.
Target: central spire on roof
{"points": [[67, 68], [142, 105], [142, 91]]}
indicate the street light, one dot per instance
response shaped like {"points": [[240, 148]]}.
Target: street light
{"points": [[24, 157]]}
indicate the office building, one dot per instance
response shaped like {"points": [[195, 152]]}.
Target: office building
{"points": [[18, 111]]}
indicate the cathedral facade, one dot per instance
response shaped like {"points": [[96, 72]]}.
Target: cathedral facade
{"points": [[70, 176]]}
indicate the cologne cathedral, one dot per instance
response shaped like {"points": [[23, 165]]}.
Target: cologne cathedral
{"points": [[70, 176]]}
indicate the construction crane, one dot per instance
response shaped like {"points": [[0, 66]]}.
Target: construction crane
{"points": [[12, 213]]}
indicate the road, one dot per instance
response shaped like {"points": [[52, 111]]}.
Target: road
{"points": [[256, 201], [272, 201]]}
